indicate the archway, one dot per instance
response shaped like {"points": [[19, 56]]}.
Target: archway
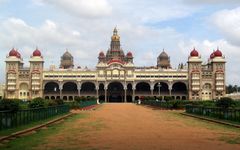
{"points": [[163, 89], [51, 87], [115, 92], [143, 88], [88, 88], [179, 89], [69, 88]]}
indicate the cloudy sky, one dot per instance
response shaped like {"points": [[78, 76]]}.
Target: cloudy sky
{"points": [[146, 27]]}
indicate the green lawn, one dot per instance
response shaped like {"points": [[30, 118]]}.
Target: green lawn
{"points": [[193, 122], [36, 139], [13, 130]]}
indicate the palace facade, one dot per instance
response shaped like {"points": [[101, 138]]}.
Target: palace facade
{"points": [[115, 78]]}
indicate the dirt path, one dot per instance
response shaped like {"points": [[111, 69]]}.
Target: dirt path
{"points": [[132, 127]]}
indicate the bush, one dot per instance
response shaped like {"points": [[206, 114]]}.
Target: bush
{"points": [[37, 103], [225, 102], [59, 101], [9, 104], [79, 99], [168, 98]]}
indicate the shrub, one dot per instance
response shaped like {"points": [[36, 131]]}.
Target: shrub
{"points": [[37, 103], [225, 102], [59, 101], [50, 103], [168, 98], [9, 104]]}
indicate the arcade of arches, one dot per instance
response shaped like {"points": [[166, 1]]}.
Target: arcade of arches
{"points": [[114, 91]]}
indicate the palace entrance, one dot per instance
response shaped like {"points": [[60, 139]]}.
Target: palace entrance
{"points": [[115, 92]]}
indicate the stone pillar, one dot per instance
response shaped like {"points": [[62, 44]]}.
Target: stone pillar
{"points": [[152, 88], [97, 88], [170, 91], [79, 92], [60, 90], [105, 90], [125, 95], [79, 88], [151, 91]]}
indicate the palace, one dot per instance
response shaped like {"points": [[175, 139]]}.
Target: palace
{"points": [[116, 78]]}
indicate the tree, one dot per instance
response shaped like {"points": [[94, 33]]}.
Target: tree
{"points": [[225, 102]]}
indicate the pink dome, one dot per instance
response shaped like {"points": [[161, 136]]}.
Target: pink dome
{"points": [[194, 53], [129, 54], [212, 55], [218, 53], [13, 52], [101, 54], [18, 55], [37, 53]]}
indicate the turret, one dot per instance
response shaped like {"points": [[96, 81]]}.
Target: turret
{"points": [[36, 70], [194, 75], [14, 62]]}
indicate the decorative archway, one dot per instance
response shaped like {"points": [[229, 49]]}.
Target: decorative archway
{"points": [[70, 88], [51, 87], [143, 88], [179, 89], [115, 92], [163, 89], [88, 88]]}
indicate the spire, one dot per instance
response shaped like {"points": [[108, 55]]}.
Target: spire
{"points": [[115, 40], [115, 31]]}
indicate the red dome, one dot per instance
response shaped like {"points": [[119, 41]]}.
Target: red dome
{"points": [[18, 55], [212, 55], [101, 54], [37, 53], [218, 53], [129, 54], [194, 53], [13, 52]]}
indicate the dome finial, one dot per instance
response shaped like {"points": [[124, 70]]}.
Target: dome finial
{"points": [[115, 31]]}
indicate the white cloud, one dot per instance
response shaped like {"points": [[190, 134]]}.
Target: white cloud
{"points": [[215, 2], [81, 8], [227, 23]]}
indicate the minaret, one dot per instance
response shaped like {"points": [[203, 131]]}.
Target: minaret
{"points": [[14, 62], [218, 71], [194, 75], [36, 78]]}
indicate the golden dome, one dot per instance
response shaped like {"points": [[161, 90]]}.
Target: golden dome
{"points": [[115, 36]]}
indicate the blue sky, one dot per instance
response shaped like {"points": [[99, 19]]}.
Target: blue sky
{"points": [[146, 27]]}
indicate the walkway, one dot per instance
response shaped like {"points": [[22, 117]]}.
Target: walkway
{"points": [[131, 127]]}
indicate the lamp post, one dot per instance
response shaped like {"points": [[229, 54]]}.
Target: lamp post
{"points": [[159, 86]]}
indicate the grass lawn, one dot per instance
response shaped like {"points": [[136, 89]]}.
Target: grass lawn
{"points": [[23, 127], [34, 140], [193, 122]]}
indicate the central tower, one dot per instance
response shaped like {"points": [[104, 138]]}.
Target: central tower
{"points": [[115, 52]]}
